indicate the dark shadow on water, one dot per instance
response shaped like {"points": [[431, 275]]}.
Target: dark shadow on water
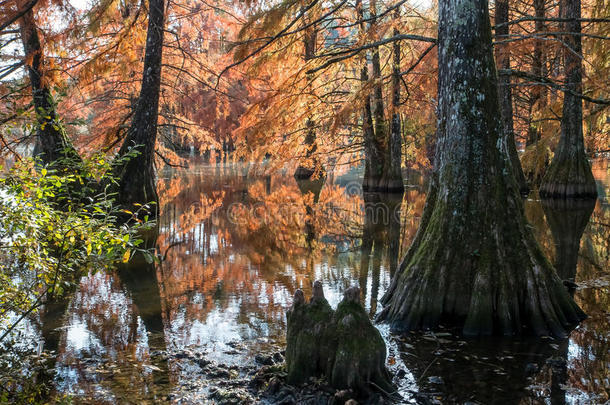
{"points": [[485, 371]]}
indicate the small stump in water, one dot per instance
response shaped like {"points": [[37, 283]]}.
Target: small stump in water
{"points": [[343, 345]]}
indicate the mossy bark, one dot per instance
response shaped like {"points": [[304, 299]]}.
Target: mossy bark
{"points": [[569, 175], [474, 262], [52, 145], [343, 345], [136, 175]]}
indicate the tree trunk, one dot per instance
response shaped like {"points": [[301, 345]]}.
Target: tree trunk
{"points": [[372, 153], [313, 165], [569, 175], [474, 262], [136, 174], [538, 96], [52, 143], [392, 176], [505, 95], [382, 145]]}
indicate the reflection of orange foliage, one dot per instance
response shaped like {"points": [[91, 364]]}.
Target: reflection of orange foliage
{"points": [[243, 248], [412, 207], [272, 223]]}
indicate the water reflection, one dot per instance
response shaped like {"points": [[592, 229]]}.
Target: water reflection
{"points": [[112, 322], [380, 234], [567, 220], [237, 243]]}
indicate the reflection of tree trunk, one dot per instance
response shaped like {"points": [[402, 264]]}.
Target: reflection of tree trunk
{"points": [[394, 233], [505, 95], [314, 187], [52, 319], [569, 175], [559, 373], [381, 228], [139, 278], [567, 220], [52, 143]]}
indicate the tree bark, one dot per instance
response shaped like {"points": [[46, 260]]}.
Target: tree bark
{"points": [[474, 262], [304, 172], [382, 148], [341, 345], [392, 176], [136, 174], [538, 96], [52, 144], [373, 155], [569, 175], [505, 95]]}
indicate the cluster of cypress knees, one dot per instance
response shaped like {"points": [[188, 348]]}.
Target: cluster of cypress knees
{"points": [[341, 345]]}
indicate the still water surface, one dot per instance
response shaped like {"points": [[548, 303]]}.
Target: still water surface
{"points": [[235, 247]]}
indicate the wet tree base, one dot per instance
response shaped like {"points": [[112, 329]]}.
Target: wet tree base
{"points": [[383, 185], [569, 177], [568, 191], [303, 173]]}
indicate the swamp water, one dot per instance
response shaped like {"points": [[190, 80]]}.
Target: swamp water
{"points": [[235, 247]]}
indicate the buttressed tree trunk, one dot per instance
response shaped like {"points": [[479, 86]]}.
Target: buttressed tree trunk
{"points": [[569, 175], [474, 263], [313, 165], [505, 95], [52, 143], [136, 175]]}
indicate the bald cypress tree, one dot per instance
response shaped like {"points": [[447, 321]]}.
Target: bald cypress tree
{"points": [[569, 175], [505, 94], [474, 262], [136, 175], [52, 144]]}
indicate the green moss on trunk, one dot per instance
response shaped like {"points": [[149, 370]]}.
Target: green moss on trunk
{"points": [[474, 262], [343, 345]]}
